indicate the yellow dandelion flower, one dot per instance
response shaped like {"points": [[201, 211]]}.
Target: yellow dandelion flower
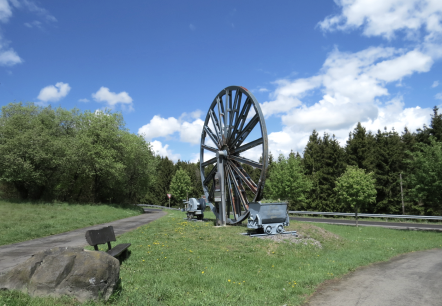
{"points": [[229, 280], [202, 272]]}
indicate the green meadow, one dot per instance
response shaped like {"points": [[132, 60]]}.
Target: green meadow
{"points": [[26, 221], [179, 262]]}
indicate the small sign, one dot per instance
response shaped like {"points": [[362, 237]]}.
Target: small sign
{"points": [[169, 195]]}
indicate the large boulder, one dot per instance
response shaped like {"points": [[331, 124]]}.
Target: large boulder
{"points": [[71, 271]]}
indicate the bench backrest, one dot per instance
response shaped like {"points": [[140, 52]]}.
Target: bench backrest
{"points": [[100, 236]]}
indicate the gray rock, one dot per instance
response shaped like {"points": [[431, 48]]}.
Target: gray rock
{"points": [[85, 275]]}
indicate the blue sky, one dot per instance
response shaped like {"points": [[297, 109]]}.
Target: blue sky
{"points": [[321, 65]]}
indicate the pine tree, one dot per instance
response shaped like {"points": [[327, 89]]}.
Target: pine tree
{"points": [[389, 153], [360, 147], [435, 128], [311, 163]]}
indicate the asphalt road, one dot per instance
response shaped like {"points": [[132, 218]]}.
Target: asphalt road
{"points": [[13, 254], [396, 225], [413, 279]]}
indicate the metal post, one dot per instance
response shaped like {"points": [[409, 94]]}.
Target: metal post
{"points": [[169, 202], [402, 195], [222, 212]]}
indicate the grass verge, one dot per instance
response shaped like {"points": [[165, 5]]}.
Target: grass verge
{"points": [[26, 221], [394, 220], [175, 262]]}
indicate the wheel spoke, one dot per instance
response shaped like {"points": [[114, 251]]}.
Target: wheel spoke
{"points": [[232, 196], [212, 192], [239, 190], [215, 123], [209, 148], [209, 162], [228, 102], [248, 146], [233, 111], [246, 161], [212, 136], [247, 180], [221, 119], [241, 119], [246, 131], [210, 175]]}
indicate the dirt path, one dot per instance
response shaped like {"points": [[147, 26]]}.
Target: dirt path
{"points": [[409, 279], [13, 254]]}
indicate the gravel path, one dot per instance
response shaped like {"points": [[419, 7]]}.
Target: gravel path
{"points": [[409, 279], [13, 254]]}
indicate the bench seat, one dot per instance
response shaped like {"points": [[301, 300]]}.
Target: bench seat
{"points": [[106, 235]]}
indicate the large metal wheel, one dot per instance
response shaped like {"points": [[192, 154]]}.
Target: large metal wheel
{"points": [[235, 128]]}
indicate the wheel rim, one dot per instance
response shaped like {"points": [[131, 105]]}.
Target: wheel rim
{"points": [[231, 131]]}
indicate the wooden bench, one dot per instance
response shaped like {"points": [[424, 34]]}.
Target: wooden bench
{"points": [[106, 235]]}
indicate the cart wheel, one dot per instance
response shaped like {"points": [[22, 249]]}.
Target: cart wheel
{"points": [[200, 217]]}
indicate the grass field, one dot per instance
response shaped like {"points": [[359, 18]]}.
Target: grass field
{"points": [[175, 262], [26, 221]]}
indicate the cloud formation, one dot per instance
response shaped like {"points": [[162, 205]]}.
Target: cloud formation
{"points": [[161, 150], [352, 85], [112, 99], [53, 93], [386, 17], [158, 126]]}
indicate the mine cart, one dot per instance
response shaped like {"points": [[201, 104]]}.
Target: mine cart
{"points": [[195, 207], [270, 218]]}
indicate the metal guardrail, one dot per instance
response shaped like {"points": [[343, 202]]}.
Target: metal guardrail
{"points": [[366, 215], [156, 206]]}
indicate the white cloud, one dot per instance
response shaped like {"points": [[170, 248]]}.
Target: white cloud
{"points": [[32, 24], [159, 149], [9, 57], [112, 98], [435, 84], [385, 17], [438, 96], [263, 89], [53, 93], [83, 100], [397, 68], [190, 132], [5, 11], [351, 86], [159, 127], [33, 7]]}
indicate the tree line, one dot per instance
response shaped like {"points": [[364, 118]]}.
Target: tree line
{"points": [[406, 168], [61, 155]]}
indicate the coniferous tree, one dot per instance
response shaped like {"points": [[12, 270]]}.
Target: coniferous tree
{"points": [[324, 160], [389, 153], [360, 148], [435, 128], [312, 164]]}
